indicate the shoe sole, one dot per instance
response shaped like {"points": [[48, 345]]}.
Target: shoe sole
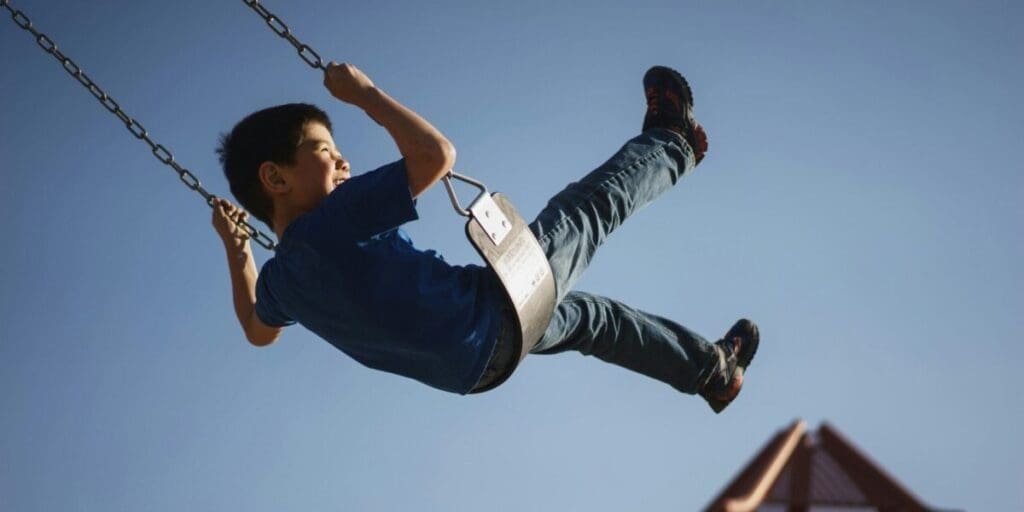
{"points": [[745, 361], [686, 86], [681, 80]]}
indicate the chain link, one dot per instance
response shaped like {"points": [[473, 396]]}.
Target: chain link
{"points": [[279, 27], [134, 127]]}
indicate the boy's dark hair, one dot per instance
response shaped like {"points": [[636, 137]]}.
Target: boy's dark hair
{"points": [[272, 134]]}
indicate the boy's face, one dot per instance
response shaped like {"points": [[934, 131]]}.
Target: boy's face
{"points": [[318, 169]]}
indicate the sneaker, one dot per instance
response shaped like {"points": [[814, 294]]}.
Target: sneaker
{"points": [[670, 105], [737, 350]]}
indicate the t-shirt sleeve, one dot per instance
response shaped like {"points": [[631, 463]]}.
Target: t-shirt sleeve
{"points": [[372, 203], [266, 305]]}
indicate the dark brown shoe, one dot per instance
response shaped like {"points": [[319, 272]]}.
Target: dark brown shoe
{"points": [[670, 106], [737, 350]]}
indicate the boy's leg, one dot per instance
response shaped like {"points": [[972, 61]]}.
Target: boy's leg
{"points": [[577, 220], [616, 333]]}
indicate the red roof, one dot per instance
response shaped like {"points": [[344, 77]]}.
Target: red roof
{"points": [[797, 469]]}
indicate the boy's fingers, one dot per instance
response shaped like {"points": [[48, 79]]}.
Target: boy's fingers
{"points": [[227, 211], [329, 70]]}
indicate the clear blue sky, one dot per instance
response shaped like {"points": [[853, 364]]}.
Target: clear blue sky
{"points": [[861, 201]]}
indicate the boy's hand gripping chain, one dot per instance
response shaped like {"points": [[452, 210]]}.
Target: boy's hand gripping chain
{"points": [[495, 229], [159, 151]]}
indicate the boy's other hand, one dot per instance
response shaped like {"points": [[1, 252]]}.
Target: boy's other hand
{"points": [[347, 83], [226, 217]]}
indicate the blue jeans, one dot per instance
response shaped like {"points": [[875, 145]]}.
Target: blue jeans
{"points": [[575, 223]]}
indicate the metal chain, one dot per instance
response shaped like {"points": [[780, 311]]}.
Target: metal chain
{"points": [[281, 29], [134, 127], [313, 59]]}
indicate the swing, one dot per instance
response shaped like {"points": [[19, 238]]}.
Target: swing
{"points": [[494, 227]]}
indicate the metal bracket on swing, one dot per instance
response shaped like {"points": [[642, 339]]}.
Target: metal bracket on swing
{"points": [[504, 240], [496, 225]]}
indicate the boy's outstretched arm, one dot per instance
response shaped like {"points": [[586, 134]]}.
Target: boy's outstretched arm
{"points": [[428, 154], [243, 272]]}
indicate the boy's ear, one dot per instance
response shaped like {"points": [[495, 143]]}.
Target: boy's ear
{"points": [[272, 178]]}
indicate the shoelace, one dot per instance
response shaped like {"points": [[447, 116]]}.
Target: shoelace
{"points": [[730, 361]]}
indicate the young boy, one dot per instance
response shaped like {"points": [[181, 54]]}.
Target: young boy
{"points": [[345, 270]]}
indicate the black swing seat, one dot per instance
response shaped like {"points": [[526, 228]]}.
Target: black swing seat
{"points": [[504, 240]]}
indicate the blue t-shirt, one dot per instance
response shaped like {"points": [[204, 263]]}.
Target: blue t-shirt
{"points": [[348, 273]]}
